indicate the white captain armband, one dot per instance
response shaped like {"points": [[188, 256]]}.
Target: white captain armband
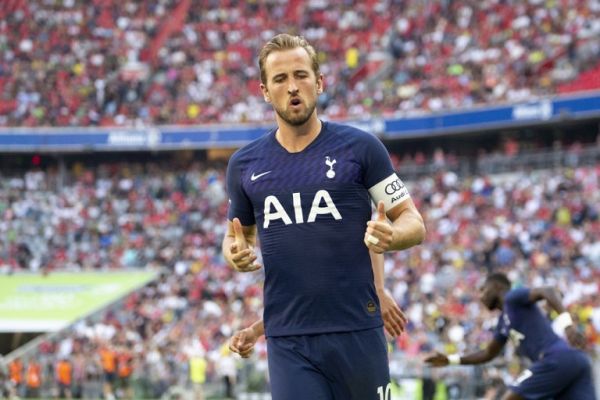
{"points": [[391, 190], [453, 359], [563, 321]]}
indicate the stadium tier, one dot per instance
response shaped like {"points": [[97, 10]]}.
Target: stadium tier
{"points": [[125, 63], [562, 110]]}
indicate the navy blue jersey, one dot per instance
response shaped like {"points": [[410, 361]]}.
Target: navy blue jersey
{"points": [[562, 374], [311, 209], [522, 321]]}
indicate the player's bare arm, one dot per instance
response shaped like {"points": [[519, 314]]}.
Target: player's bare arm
{"points": [[490, 352], [564, 320], [238, 246], [401, 227], [394, 319], [510, 395]]}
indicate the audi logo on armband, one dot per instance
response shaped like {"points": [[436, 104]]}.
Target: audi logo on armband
{"points": [[394, 187]]}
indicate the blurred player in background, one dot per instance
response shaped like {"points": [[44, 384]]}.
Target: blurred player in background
{"points": [[394, 320], [558, 370], [306, 189]]}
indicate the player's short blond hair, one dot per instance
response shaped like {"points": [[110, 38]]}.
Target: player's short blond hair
{"points": [[281, 42]]}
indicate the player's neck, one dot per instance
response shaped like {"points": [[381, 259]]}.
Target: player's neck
{"points": [[296, 138]]}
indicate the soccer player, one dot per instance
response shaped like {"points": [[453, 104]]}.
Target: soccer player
{"points": [[305, 189], [394, 320], [558, 370]]}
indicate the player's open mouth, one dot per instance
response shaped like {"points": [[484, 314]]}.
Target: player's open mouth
{"points": [[295, 102]]}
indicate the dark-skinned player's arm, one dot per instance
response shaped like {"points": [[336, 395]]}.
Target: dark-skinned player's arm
{"points": [[238, 246], [564, 322], [490, 352], [401, 227]]}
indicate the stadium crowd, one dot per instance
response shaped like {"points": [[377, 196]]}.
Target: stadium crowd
{"points": [[132, 63], [541, 226]]}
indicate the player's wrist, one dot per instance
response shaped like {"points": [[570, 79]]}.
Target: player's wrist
{"points": [[256, 331], [453, 359]]}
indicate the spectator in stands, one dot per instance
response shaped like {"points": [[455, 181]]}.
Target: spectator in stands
{"points": [[197, 368], [108, 360], [226, 370], [33, 379], [79, 373], [125, 368], [15, 373], [64, 378]]}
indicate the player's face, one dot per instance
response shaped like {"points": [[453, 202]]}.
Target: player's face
{"points": [[292, 86], [489, 296]]}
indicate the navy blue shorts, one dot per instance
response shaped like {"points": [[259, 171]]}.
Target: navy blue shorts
{"points": [[330, 366], [564, 374]]}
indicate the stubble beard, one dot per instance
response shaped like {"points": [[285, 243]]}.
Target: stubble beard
{"points": [[296, 119]]}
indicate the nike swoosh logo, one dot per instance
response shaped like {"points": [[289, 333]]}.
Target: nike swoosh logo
{"points": [[255, 177]]}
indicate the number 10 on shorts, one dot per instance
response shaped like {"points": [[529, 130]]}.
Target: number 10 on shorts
{"points": [[385, 394]]}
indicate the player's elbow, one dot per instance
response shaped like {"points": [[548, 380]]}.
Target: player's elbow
{"points": [[417, 233], [418, 227], [421, 232], [491, 351]]}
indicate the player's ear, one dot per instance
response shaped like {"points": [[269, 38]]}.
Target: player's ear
{"points": [[265, 92], [320, 84]]}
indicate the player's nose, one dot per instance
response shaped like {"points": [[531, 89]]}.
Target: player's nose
{"points": [[292, 87]]}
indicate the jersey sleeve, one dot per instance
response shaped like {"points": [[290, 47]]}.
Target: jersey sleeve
{"points": [[379, 174], [518, 297], [239, 203]]}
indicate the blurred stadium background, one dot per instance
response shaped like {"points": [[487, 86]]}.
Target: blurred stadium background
{"points": [[116, 122]]}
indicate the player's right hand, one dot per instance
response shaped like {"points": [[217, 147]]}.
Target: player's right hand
{"points": [[242, 342], [437, 360], [241, 256], [575, 338]]}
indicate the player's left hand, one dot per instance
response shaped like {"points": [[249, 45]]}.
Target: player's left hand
{"points": [[575, 338], [394, 320], [378, 236], [242, 342]]}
